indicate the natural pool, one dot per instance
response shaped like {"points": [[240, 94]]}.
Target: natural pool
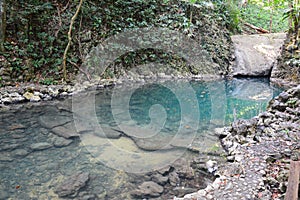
{"points": [[120, 136]]}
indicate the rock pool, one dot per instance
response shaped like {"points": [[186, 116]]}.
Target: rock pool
{"points": [[124, 142]]}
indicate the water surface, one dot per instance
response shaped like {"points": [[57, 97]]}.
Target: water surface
{"points": [[140, 128]]}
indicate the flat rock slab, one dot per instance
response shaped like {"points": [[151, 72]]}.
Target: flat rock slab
{"points": [[51, 121], [72, 184], [67, 131], [255, 54]]}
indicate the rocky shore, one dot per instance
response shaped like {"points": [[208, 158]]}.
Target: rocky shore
{"points": [[259, 150], [259, 153], [30, 92]]}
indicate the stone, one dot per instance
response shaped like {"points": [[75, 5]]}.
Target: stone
{"points": [[9, 147], [28, 95], [61, 142], [40, 146], [174, 178], [72, 184], [255, 54], [148, 189], [4, 194], [277, 105], [35, 98], [53, 92], [211, 166], [160, 179], [181, 191], [20, 152], [164, 170], [16, 126], [67, 131], [106, 132], [31, 97], [5, 158], [16, 97], [51, 121], [6, 100], [284, 96], [239, 158]]}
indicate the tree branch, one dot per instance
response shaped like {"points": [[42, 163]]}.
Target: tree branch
{"points": [[70, 40]]}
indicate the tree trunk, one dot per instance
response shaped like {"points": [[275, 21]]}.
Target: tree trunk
{"points": [[70, 40], [293, 182], [2, 24]]}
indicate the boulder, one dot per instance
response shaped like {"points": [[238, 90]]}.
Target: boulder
{"points": [[255, 54]]}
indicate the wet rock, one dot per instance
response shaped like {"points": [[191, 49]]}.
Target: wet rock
{"points": [[16, 126], [108, 133], [4, 194], [72, 184], [9, 147], [244, 127], [174, 178], [61, 142], [40, 146], [152, 144], [20, 152], [148, 189], [67, 131], [51, 121], [181, 191], [5, 157], [165, 170], [160, 179]]}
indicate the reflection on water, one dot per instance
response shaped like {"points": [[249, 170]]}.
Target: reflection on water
{"points": [[40, 147]]}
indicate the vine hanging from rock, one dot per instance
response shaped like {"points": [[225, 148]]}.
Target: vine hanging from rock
{"points": [[70, 40]]}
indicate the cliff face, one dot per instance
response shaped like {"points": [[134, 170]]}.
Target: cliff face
{"points": [[287, 69]]}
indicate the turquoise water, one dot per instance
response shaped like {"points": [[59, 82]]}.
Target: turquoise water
{"points": [[217, 103], [158, 121]]}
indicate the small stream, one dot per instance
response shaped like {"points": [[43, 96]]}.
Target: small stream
{"points": [[122, 136]]}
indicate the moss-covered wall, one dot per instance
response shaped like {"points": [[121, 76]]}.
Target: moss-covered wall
{"points": [[36, 35], [287, 69]]}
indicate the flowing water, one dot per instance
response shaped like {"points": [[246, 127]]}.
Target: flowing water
{"points": [[118, 134]]}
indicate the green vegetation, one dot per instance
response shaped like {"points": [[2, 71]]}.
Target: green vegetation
{"points": [[270, 15], [34, 33], [265, 15]]}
